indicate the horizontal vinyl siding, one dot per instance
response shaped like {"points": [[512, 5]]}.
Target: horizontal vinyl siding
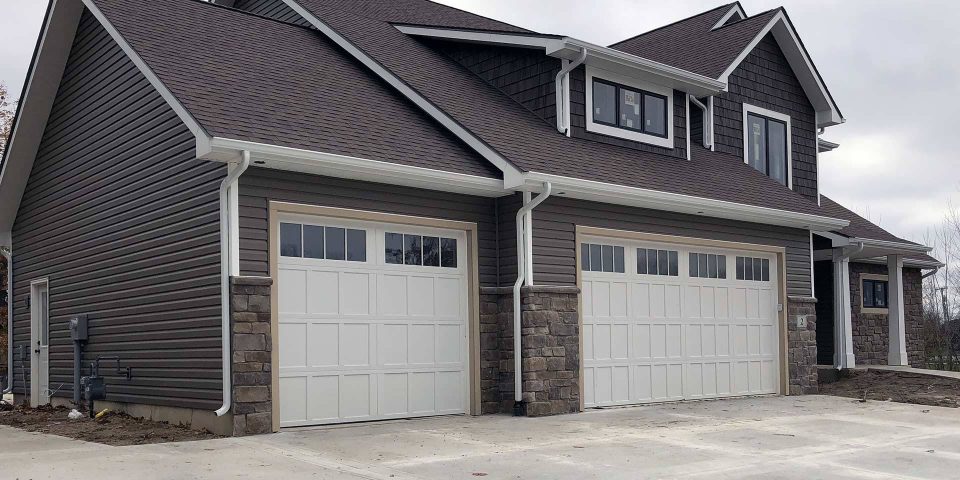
{"points": [[555, 249], [765, 79], [274, 9], [123, 221], [258, 186]]}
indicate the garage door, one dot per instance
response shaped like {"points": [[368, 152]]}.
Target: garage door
{"points": [[372, 321], [667, 322]]}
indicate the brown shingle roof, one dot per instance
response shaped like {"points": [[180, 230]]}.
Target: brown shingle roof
{"points": [[250, 78], [859, 227], [691, 45]]}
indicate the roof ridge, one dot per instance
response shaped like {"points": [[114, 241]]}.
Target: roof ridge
{"points": [[674, 23], [752, 17], [249, 13]]}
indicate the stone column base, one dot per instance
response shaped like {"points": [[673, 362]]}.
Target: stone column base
{"points": [[802, 346], [251, 344]]}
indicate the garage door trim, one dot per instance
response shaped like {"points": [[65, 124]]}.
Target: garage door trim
{"points": [[780, 252], [277, 209]]}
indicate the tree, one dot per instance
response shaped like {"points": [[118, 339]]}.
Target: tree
{"points": [[8, 109], [941, 296]]}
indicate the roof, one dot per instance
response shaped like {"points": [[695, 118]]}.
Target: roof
{"points": [[507, 126], [291, 87]]}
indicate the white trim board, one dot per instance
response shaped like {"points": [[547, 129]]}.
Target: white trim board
{"points": [[736, 9], [827, 112], [748, 109]]}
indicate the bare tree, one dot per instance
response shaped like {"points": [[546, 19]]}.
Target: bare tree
{"points": [[8, 109], [941, 296]]}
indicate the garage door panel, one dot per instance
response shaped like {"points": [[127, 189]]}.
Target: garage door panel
{"points": [[367, 339], [689, 337]]}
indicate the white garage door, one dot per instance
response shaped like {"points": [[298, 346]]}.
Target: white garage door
{"points": [[372, 321], [666, 322]]}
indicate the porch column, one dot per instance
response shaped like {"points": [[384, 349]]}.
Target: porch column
{"points": [[897, 330], [842, 326]]}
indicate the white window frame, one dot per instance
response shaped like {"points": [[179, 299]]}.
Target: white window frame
{"points": [[621, 132], [763, 112]]}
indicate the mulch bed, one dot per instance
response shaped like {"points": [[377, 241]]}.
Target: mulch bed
{"points": [[113, 428], [903, 387]]}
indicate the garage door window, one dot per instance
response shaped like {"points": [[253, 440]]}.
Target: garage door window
{"points": [[601, 258], [658, 262], [420, 250], [755, 269], [708, 265], [323, 243]]}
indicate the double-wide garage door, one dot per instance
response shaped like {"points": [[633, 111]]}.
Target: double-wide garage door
{"points": [[372, 321], [667, 322]]}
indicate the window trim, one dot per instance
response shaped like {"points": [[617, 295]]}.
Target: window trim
{"points": [[610, 78], [874, 278], [769, 115]]}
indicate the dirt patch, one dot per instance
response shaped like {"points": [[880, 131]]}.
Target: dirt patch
{"points": [[893, 386], [113, 428]]}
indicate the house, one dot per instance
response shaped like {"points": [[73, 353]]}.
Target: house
{"points": [[298, 212]]}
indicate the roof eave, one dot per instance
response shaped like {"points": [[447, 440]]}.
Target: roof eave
{"points": [[678, 203]]}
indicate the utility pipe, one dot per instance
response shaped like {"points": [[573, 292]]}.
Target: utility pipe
{"points": [[561, 77], [227, 215], [707, 122], [522, 235], [8, 254]]}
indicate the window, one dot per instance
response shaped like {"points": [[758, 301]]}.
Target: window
{"points": [[323, 243], [756, 269], [601, 258], [658, 262], [874, 294], [766, 148], [420, 250], [704, 265], [629, 108]]}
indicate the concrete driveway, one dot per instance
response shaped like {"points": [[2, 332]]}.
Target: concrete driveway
{"points": [[774, 437]]}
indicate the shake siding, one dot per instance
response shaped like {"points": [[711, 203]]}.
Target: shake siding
{"points": [[258, 186], [765, 79], [578, 120], [526, 75], [555, 249], [123, 221], [274, 9]]}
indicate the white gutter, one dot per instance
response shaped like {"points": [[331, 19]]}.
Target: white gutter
{"points": [[563, 78], [8, 254], [707, 122], [524, 239], [228, 216], [900, 246]]}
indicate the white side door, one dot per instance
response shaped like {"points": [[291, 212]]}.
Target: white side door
{"points": [[40, 343]]}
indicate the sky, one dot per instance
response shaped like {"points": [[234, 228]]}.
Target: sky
{"points": [[891, 67]]}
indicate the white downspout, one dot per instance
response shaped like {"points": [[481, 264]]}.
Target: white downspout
{"points": [[228, 216], [8, 254], [564, 78], [524, 238], [707, 122]]}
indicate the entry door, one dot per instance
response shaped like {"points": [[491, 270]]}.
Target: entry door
{"points": [[372, 321], [40, 339], [667, 322]]}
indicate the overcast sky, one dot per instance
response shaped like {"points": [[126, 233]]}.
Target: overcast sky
{"points": [[892, 67]]}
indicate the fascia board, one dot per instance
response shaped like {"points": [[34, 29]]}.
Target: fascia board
{"points": [[898, 246], [473, 36], [674, 202], [510, 171], [342, 166]]}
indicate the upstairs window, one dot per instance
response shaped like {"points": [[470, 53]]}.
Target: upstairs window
{"points": [[767, 143], [629, 108]]}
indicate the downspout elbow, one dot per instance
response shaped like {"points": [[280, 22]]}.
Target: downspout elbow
{"points": [[560, 93], [930, 273], [227, 215]]}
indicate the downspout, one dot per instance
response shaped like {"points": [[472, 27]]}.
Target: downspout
{"points": [[564, 76], [8, 254], [706, 125], [523, 234], [930, 273], [226, 217]]}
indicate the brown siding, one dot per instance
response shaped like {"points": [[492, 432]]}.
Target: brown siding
{"points": [[555, 250], [274, 9], [578, 120], [765, 79], [527, 76], [123, 221], [258, 186]]}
